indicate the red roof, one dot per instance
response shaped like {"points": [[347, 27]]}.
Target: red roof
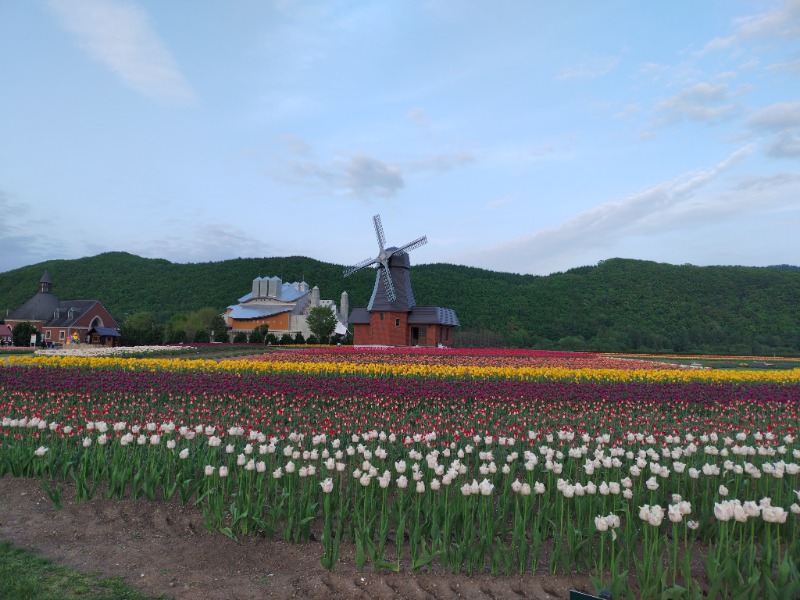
{"points": [[5, 330]]}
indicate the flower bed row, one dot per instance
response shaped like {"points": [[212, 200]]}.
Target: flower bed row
{"points": [[630, 480], [286, 365]]}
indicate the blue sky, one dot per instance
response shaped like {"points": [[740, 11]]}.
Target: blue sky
{"points": [[522, 136]]}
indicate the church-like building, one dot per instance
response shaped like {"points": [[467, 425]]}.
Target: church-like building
{"points": [[66, 321], [283, 307]]}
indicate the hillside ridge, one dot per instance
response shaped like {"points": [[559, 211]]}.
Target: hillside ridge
{"points": [[617, 305]]}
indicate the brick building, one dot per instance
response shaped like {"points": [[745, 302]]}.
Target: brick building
{"points": [[66, 321], [400, 322]]}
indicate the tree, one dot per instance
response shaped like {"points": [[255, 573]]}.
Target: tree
{"points": [[286, 340], [141, 329], [299, 339], [21, 334], [240, 338], [321, 321], [175, 329]]}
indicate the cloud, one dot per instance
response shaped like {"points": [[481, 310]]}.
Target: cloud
{"points": [[357, 175], [24, 238], [779, 23], [364, 176], [787, 145], [499, 204], [783, 22], [119, 36], [791, 67], [419, 118], [665, 206], [778, 116], [592, 68], [781, 121], [205, 242], [440, 163], [700, 102]]}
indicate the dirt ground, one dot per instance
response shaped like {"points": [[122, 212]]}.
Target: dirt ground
{"points": [[163, 549]]}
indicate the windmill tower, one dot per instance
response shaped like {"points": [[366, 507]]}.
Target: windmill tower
{"points": [[392, 317], [392, 291]]}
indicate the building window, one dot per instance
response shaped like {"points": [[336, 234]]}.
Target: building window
{"points": [[47, 334], [397, 322], [381, 316], [61, 335]]}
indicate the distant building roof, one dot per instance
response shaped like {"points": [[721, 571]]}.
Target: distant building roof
{"points": [[433, 314], [107, 331], [287, 292], [359, 316], [52, 311], [419, 315], [47, 309], [39, 308], [256, 311], [5, 330]]}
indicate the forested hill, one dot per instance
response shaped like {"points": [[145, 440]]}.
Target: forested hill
{"points": [[618, 305]]}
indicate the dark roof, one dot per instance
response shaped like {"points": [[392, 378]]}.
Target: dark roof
{"points": [[419, 315], [65, 318], [359, 316], [422, 315], [48, 309], [39, 308], [399, 266], [110, 331]]}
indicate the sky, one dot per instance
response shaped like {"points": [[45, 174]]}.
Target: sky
{"points": [[524, 136]]}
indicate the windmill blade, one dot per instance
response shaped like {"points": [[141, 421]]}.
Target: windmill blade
{"points": [[387, 280], [358, 266], [379, 232], [412, 245]]}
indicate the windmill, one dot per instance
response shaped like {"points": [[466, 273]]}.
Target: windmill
{"points": [[392, 289]]}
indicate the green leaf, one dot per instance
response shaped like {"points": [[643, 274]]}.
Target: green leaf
{"points": [[227, 531]]}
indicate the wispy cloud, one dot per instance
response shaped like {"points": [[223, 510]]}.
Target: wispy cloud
{"points": [[786, 145], [778, 116], [364, 176], [21, 242], [669, 205], [700, 102], [201, 243], [356, 175], [592, 68], [779, 23], [780, 123], [119, 35]]}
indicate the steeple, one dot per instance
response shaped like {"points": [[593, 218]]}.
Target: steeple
{"points": [[45, 283]]}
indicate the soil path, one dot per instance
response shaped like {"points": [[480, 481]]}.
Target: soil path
{"points": [[163, 549]]}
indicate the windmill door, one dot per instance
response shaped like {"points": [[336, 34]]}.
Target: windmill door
{"points": [[415, 336]]}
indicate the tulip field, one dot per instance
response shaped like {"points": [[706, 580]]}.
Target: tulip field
{"points": [[659, 481]]}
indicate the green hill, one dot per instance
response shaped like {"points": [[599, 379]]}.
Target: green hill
{"points": [[618, 305]]}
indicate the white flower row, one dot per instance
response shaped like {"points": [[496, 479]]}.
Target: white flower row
{"points": [[87, 350]]}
